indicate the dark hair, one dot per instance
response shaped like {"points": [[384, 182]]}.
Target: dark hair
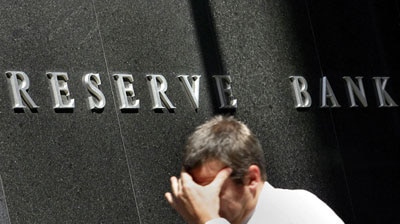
{"points": [[227, 140]]}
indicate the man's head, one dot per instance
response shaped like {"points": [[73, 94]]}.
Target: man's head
{"points": [[227, 140]]}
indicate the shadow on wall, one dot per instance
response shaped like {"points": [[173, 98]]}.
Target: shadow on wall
{"points": [[360, 38], [340, 38], [209, 48]]}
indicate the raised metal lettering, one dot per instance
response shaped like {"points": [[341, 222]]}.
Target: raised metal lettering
{"points": [[158, 86], [226, 98], [61, 94], [327, 92], [383, 97], [126, 94], [96, 100], [191, 89], [19, 83], [301, 96], [353, 89]]}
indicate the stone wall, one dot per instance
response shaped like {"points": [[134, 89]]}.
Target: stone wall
{"points": [[112, 165]]}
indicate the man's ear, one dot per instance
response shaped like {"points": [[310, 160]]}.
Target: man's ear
{"points": [[253, 178]]}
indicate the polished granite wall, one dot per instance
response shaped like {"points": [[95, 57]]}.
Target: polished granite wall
{"points": [[113, 166]]}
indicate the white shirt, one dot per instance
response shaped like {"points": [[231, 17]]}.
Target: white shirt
{"points": [[282, 206]]}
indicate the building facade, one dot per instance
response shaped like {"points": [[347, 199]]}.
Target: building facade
{"points": [[98, 97]]}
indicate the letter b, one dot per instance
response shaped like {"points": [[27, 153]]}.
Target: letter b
{"points": [[301, 96]]}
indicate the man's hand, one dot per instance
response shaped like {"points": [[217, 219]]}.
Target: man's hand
{"points": [[195, 203]]}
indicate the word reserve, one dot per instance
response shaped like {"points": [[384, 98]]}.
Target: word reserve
{"points": [[19, 85]]}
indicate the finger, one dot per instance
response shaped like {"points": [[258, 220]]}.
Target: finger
{"points": [[169, 198], [174, 186], [221, 177], [187, 183], [180, 185], [186, 178]]}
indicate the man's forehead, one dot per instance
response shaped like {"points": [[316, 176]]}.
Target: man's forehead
{"points": [[206, 172]]}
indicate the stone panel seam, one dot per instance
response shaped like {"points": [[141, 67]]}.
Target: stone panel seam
{"points": [[4, 214], [116, 112], [330, 111]]}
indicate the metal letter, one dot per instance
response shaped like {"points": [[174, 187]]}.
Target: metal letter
{"points": [[384, 98], [326, 91], [19, 83], [61, 94], [301, 96], [359, 91], [225, 94], [92, 82], [126, 94], [158, 86], [191, 89]]}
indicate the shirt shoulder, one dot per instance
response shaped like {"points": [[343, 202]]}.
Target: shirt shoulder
{"points": [[286, 206]]}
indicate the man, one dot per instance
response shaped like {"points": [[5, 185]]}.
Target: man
{"points": [[224, 181]]}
